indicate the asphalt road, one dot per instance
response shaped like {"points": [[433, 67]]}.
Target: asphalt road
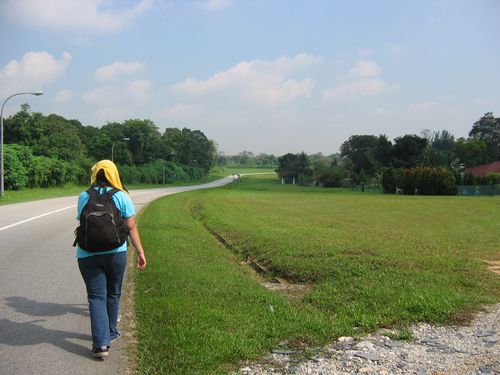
{"points": [[44, 320]]}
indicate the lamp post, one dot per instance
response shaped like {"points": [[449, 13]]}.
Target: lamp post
{"points": [[113, 146], [36, 93]]}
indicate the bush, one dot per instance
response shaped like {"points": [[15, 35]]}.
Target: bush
{"points": [[16, 175], [23, 170], [425, 181], [174, 173], [391, 179], [331, 176], [153, 173], [490, 179]]}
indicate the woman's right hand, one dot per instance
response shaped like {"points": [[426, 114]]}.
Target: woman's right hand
{"points": [[141, 261]]}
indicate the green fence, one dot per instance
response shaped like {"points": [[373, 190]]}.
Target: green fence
{"points": [[469, 190], [493, 189], [369, 188]]}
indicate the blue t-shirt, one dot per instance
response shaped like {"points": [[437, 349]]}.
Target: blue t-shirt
{"points": [[125, 206]]}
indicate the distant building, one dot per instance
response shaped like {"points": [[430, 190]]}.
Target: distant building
{"points": [[287, 178], [484, 170]]}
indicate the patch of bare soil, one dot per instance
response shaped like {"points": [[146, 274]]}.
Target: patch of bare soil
{"points": [[494, 266]]}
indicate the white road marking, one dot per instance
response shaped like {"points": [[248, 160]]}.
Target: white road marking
{"points": [[36, 217]]}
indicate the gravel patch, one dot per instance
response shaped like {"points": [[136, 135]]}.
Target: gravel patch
{"points": [[434, 350]]}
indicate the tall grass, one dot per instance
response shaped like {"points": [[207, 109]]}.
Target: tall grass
{"points": [[370, 260]]}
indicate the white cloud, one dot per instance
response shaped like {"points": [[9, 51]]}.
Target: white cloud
{"points": [[32, 72], [179, 112], [100, 15], [300, 61], [264, 82], [366, 80], [213, 5], [63, 96], [364, 69], [116, 95], [108, 72], [112, 113], [356, 88]]}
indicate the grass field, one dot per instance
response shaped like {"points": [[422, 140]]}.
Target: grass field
{"points": [[365, 261]]}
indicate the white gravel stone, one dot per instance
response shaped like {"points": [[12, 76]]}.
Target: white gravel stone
{"points": [[457, 350]]}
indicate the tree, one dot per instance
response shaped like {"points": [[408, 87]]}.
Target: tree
{"points": [[266, 161], [471, 152], [172, 143], [408, 150], [383, 151], [21, 127], [145, 140], [296, 165], [440, 150], [487, 129], [54, 150], [443, 141], [361, 150], [244, 157], [57, 137], [220, 159], [331, 176]]}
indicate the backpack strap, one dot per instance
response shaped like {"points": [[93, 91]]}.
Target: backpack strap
{"points": [[92, 192], [108, 194], [113, 192]]}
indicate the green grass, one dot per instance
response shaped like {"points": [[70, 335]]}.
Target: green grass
{"points": [[371, 261], [198, 310], [242, 169], [17, 196]]}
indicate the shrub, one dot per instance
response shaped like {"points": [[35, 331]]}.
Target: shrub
{"points": [[129, 174], [391, 179], [425, 181], [331, 176], [16, 175], [23, 170]]}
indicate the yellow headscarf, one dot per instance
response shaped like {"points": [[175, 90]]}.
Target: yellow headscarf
{"points": [[110, 171]]}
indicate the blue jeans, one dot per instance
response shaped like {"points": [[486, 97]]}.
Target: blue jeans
{"points": [[103, 276]]}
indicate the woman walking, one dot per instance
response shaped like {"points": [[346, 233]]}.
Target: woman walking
{"points": [[102, 261]]}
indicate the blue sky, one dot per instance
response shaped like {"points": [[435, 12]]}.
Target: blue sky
{"points": [[270, 76]]}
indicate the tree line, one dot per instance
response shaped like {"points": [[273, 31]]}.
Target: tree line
{"points": [[429, 159], [248, 159], [43, 151]]}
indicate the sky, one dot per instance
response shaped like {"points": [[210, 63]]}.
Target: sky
{"points": [[266, 76]]}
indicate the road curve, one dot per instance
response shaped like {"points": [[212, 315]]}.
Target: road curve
{"points": [[44, 320]]}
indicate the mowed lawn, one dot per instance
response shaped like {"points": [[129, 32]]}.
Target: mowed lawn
{"points": [[366, 260]]}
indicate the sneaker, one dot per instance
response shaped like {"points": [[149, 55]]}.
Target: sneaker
{"points": [[99, 352], [116, 337]]}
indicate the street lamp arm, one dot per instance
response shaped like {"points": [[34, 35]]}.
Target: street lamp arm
{"points": [[37, 93]]}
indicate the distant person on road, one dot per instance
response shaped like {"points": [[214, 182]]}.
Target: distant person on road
{"points": [[103, 269]]}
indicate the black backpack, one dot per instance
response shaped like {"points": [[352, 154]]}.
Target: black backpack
{"points": [[101, 227]]}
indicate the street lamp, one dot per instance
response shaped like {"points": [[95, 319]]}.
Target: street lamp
{"points": [[36, 93], [113, 146]]}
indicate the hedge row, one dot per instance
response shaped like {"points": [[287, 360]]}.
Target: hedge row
{"points": [[425, 181], [159, 172], [24, 170], [491, 179]]}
